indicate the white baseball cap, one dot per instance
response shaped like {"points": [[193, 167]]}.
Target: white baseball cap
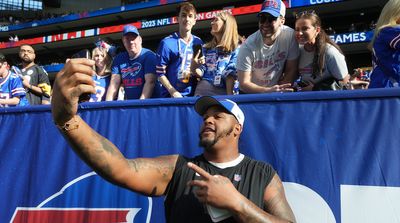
{"points": [[204, 103]]}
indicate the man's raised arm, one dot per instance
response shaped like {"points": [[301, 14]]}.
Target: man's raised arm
{"points": [[146, 176]]}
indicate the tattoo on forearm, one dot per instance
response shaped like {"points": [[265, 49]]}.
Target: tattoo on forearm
{"points": [[108, 146], [252, 214], [94, 151], [276, 207]]}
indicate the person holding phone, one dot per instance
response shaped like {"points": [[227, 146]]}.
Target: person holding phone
{"points": [[102, 76], [221, 184], [175, 54], [217, 68], [322, 65]]}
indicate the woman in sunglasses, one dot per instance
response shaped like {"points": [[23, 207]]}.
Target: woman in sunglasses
{"points": [[386, 48], [322, 65], [217, 68]]}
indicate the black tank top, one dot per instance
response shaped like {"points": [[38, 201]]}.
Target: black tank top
{"points": [[250, 177]]}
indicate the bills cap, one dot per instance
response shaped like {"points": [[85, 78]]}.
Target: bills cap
{"points": [[205, 102], [130, 29], [274, 7]]}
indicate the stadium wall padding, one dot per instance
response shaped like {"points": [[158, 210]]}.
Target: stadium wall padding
{"points": [[333, 150]]}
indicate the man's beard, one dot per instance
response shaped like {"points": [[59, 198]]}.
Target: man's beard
{"points": [[26, 60], [208, 143]]}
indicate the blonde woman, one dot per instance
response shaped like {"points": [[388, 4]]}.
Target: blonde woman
{"points": [[322, 65], [217, 69], [102, 77], [386, 48]]}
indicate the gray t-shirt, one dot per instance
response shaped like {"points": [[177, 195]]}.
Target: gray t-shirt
{"points": [[335, 65], [266, 63]]}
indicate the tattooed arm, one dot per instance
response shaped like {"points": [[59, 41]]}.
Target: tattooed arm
{"points": [[275, 200], [219, 192], [146, 176], [276, 209]]}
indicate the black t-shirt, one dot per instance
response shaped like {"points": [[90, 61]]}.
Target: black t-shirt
{"points": [[37, 76], [250, 177]]}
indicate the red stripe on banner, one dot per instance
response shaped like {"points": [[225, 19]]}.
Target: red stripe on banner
{"points": [[234, 11], [118, 28], [32, 41], [70, 216], [57, 37], [246, 10]]}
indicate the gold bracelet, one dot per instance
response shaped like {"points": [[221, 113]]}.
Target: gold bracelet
{"points": [[70, 125]]}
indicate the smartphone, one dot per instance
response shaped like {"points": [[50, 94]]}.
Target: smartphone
{"points": [[303, 83], [196, 49], [85, 53]]}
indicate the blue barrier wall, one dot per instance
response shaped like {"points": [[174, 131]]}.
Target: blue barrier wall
{"points": [[333, 150]]}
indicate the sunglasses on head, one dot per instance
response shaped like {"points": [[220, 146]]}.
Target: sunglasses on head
{"points": [[305, 13], [266, 17]]}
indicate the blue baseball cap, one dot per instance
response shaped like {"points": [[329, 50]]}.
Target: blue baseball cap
{"points": [[130, 29], [274, 7], [204, 103]]}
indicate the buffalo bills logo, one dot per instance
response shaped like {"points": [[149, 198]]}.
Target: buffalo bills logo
{"points": [[272, 4], [88, 199], [131, 70]]}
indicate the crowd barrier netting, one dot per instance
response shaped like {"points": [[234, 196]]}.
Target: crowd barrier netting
{"points": [[336, 152]]}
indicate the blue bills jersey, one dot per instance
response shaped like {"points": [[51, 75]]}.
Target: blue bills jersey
{"points": [[10, 87], [102, 83], [133, 71], [174, 56], [218, 66], [386, 59]]}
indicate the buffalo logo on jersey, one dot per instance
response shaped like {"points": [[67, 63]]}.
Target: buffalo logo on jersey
{"points": [[131, 70]]}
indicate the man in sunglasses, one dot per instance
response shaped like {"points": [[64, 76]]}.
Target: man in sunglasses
{"points": [[268, 60]]}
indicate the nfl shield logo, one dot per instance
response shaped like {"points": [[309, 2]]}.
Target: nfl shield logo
{"points": [[237, 177]]}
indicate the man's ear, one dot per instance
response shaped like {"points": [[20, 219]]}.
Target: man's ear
{"points": [[283, 20], [238, 129]]}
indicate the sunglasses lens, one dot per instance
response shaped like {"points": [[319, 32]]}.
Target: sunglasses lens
{"points": [[264, 18]]}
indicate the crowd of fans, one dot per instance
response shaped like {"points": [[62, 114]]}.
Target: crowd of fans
{"points": [[276, 58], [37, 16]]}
